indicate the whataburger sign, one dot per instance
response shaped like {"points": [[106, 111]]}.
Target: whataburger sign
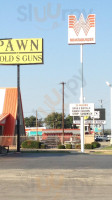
{"points": [[81, 31], [21, 51]]}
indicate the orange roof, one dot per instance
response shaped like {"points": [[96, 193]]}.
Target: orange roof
{"points": [[10, 106], [8, 111], [3, 116]]}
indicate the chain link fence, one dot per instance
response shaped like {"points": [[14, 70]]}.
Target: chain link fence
{"points": [[49, 141]]}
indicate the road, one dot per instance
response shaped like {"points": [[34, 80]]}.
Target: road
{"points": [[55, 176], [56, 160]]}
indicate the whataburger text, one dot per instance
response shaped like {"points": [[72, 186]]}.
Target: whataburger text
{"points": [[21, 51]]}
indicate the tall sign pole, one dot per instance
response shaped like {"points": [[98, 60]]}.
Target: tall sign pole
{"points": [[18, 109], [81, 32], [82, 101]]}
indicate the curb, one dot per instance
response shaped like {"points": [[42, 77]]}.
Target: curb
{"points": [[3, 154]]}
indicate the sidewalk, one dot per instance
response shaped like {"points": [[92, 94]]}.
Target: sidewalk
{"points": [[87, 151]]}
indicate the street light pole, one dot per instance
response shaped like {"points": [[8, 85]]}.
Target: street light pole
{"points": [[111, 114], [111, 108]]}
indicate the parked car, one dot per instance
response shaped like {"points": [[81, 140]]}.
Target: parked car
{"points": [[99, 138], [109, 137], [105, 138]]}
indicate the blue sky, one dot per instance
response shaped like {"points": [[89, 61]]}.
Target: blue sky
{"points": [[48, 19]]}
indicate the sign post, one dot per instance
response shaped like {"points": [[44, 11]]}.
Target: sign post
{"points": [[18, 109], [82, 110], [21, 52], [81, 32], [81, 101]]}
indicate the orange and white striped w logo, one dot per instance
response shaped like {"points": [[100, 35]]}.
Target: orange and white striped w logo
{"points": [[81, 24]]}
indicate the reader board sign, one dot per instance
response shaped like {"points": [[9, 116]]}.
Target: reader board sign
{"points": [[21, 51], [96, 115], [81, 31], [91, 122], [86, 109]]}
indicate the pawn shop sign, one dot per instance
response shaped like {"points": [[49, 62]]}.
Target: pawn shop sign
{"points": [[21, 51]]}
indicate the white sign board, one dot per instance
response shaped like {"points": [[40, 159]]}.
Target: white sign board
{"points": [[87, 122], [96, 115], [86, 109], [81, 31]]}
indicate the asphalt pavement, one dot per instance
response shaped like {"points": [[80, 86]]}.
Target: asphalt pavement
{"points": [[55, 176], [52, 160]]}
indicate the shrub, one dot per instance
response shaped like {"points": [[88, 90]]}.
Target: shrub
{"points": [[61, 146], [68, 146], [31, 144], [95, 145], [3, 150], [77, 146], [0, 149], [88, 146], [43, 146]]}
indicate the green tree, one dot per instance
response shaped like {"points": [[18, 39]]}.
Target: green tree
{"points": [[68, 122], [54, 120], [31, 121]]}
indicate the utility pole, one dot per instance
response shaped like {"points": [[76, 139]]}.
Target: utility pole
{"points": [[37, 125], [101, 103], [62, 111]]}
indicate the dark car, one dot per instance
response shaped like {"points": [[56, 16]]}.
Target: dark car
{"points": [[98, 139]]}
